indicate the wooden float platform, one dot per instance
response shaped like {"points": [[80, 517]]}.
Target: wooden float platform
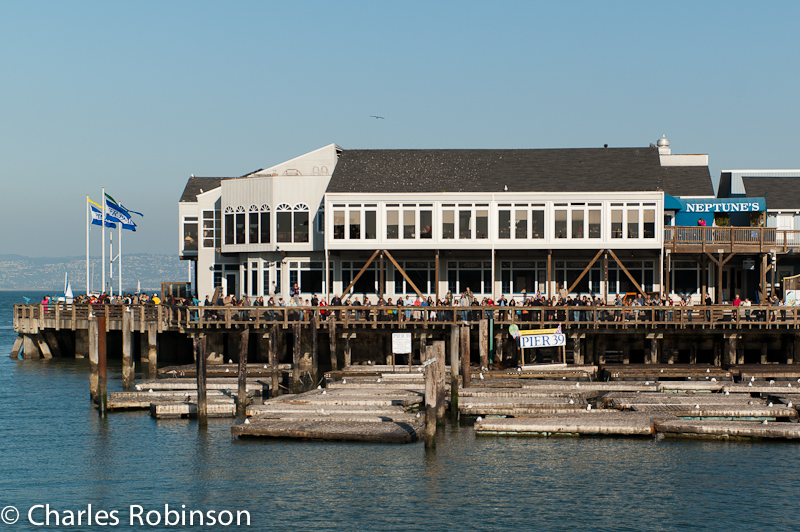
{"points": [[761, 387], [360, 431], [259, 386], [271, 409], [589, 423], [728, 429], [221, 370], [520, 406], [767, 371], [189, 410], [143, 400], [664, 371]]}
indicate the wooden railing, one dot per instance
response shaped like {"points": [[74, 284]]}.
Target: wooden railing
{"points": [[745, 239], [595, 317]]}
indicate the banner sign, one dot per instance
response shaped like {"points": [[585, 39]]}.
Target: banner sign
{"points": [[401, 343], [725, 205], [538, 337]]}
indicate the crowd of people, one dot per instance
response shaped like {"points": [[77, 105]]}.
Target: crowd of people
{"points": [[538, 307]]}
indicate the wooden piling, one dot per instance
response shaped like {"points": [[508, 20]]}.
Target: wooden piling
{"points": [[44, 347], [498, 347], [17, 347], [102, 365], [29, 349], [128, 374], [52, 343], [241, 397], [332, 340], [454, 340], [93, 358], [314, 349], [152, 350], [348, 347], [431, 397], [577, 358], [199, 342], [465, 371], [730, 351], [483, 341], [296, 359], [438, 350], [273, 361]]}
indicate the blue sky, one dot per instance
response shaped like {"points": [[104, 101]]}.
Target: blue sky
{"points": [[135, 96]]}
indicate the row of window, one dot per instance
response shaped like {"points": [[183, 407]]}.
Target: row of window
{"points": [[254, 226], [514, 221]]}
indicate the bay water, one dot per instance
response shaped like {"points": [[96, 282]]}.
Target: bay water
{"points": [[55, 450]]}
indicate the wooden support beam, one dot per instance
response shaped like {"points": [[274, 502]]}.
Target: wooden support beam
{"points": [[94, 377], [549, 273], [128, 373], [273, 361], [464, 342], [30, 351], [454, 341], [241, 397], [199, 341], [626, 272], [152, 350], [585, 271], [483, 341], [605, 277], [315, 349], [348, 353], [360, 273], [332, 342], [102, 364], [405, 276], [17, 347], [296, 359], [436, 277], [52, 342], [381, 276], [44, 348]]}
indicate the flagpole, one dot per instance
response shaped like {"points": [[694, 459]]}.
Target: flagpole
{"points": [[88, 208], [119, 268], [111, 264], [103, 225]]}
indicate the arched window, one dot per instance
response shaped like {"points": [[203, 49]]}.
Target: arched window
{"points": [[229, 226], [265, 225], [300, 223]]}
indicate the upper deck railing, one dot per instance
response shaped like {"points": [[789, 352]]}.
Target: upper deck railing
{"points": [[32, 318], [730, 239]]}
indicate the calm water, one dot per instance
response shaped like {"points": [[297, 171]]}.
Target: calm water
{"points": [[55, 450]]}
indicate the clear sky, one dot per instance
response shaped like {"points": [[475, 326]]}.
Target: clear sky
{"points": [[135, 96]]}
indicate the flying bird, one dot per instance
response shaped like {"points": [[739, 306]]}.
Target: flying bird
{"points": [[377, 117]]}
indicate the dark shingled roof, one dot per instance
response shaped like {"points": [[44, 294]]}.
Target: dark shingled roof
{"points": [[780, 192], [548, 170], [195, 184]]}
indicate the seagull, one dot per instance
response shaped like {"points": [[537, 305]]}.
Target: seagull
{"points": [[138, 388], [764, 422], [662, 371], [727, 392], [647, 383], [324, 392], [478, 419], [771, 382], [265, 366], [150, 390], [379, 379], [417, 415], [572, 401], [691, 378], [750, 384], [588, 407], [227, 370], [322, 411], [577, 385], [713, 379], [246, 421], [749, 402], [230, 361], [788, 384], [377, 117], [697, 406], [707, 370], [769, 405], [752, 379], [319, 387], [790, 405], [481, 376], [344, 381], [563, 378]]}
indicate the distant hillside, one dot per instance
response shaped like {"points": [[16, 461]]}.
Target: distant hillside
{"points": [[47, 273]]}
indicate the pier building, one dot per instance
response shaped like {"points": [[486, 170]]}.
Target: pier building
{"points": [[397, 223]]}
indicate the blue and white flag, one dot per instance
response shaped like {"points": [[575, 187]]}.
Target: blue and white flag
{"points": [[97, 218], [117, 213]]}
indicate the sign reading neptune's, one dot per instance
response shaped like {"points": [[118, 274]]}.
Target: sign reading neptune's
{"points": [[726, 205]]}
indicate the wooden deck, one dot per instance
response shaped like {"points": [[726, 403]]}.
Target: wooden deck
{"points": [[730, 240]]}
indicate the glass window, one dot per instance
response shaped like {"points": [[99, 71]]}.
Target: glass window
{"points": [[521, 224], [616, 223], [464, 224], [409, 227], [504, 224], [577, 223], [370, 225], [482, 224], [208, 229], [253, 228], [448, 224], [633, 223], [283, 220], [649, 223], [426, 224], [301, 226], [392, 224], [537, 224], [240, 228], [190, 236], [338, 225], [265, 227], [355, 225], [228, 229], [561, 223], [595, 217]]}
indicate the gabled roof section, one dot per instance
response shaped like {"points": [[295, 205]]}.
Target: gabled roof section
{"points": [[545, 170], [198, 185], [781, 192]]}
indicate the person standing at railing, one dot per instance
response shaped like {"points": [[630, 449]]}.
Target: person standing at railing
{"points": [[708, 302], [464, 302]]}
